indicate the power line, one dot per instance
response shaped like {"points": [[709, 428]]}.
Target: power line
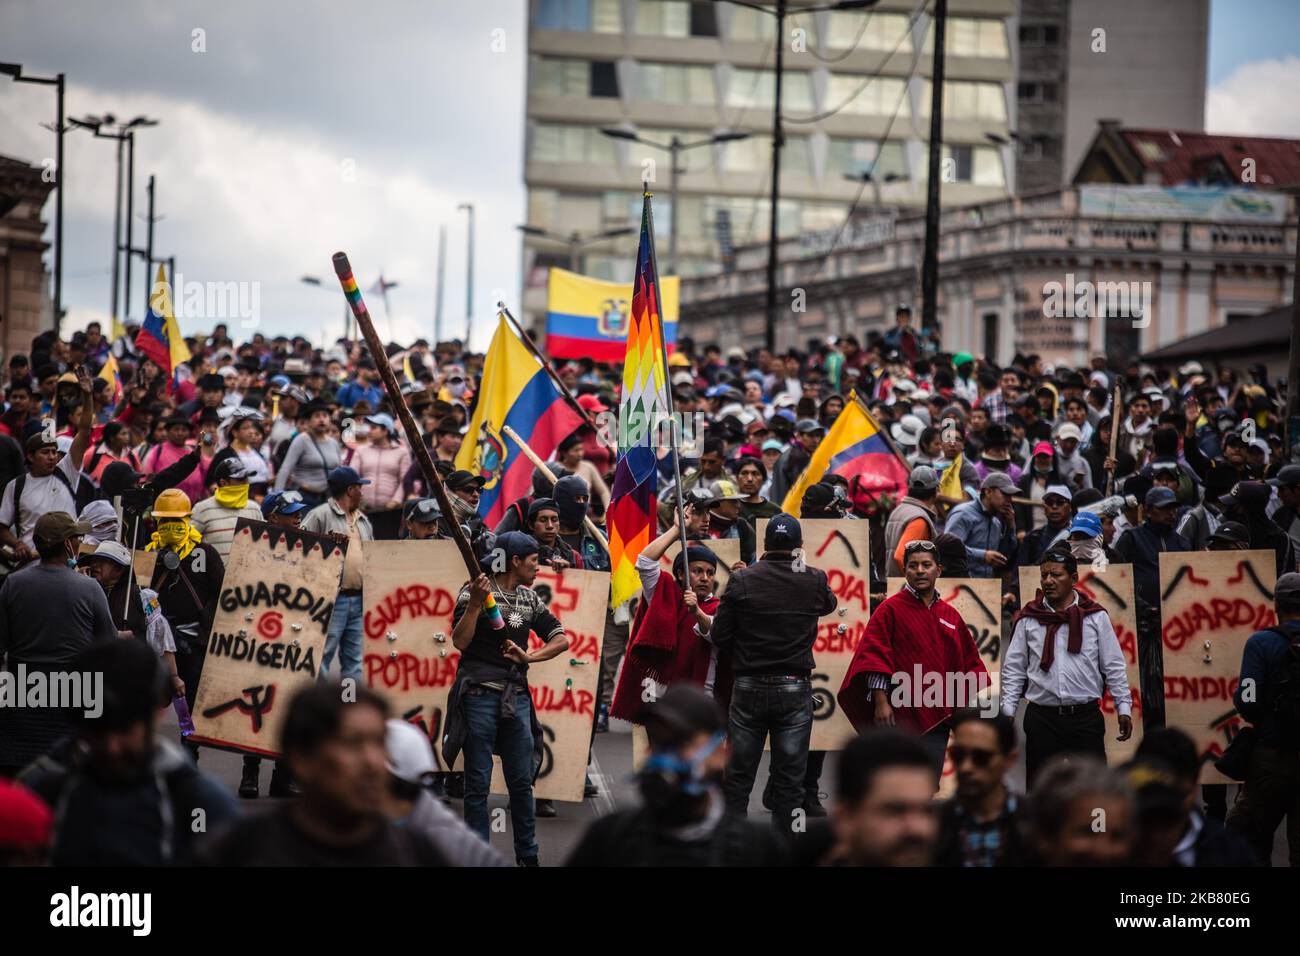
{"points": [[847, 53], [911, 22]]}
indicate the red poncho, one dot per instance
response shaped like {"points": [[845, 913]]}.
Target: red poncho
{"points": [[902, 634], [665, 647]]}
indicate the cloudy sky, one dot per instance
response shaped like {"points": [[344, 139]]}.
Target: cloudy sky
{"points": [[304, 128]]}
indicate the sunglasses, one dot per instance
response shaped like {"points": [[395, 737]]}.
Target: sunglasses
{"points": [[980, 758], [928, 547]]}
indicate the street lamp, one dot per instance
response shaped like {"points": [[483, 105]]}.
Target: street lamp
{"points": [[574, 240], [469, 273], [778, 139], [673, 147], [15, 70], [108, 127]]}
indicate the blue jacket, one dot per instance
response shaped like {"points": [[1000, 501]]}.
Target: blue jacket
{"points": [[1141, 547], [981, 531], [1263, 660], [353, 392]]}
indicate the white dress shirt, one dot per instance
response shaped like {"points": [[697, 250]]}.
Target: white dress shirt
{"points": [[1073, 678]]}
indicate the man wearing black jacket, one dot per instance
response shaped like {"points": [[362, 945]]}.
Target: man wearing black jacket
{"points": [[768, 619], [980, 825]]}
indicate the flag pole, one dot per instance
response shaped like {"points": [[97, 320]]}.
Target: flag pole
{"points": [[541, 466], [546, 366], [663, 355]]}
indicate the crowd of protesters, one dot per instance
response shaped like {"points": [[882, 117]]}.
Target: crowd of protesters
{"points": [[1057, 467]]}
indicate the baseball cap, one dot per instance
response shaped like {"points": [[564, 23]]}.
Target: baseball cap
{"points": [[25, 820], [961, 358], [55, 526], [38, 441], [1087, 523], [783, 533], [460, 480], [592, 403], [113, 551], [1070, 430], [724, 490], [1061, 491], [1251, 492], [1233, 532], [1043, 448], [1287, 476], [423, 510], [229, 468], [1160, 498], [1191, 368], [923, 478], [998, 481], [345, 476], [681, 713], [282, 502], [410, 757], [773, 445], [806, 426], [700, 497], [1165, 464], [1287, 587], [517, 544], [384, 421]]}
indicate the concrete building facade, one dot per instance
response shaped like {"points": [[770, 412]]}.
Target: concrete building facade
{"points": [[26, 308], [1120, 270]]}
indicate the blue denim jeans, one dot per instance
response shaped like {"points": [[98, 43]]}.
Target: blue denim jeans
{"points": [[512, 740], [344, 637], [783, 708]]}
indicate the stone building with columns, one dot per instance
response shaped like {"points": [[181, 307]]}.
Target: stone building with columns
{"points": [[1090, 269], [25, 305]]}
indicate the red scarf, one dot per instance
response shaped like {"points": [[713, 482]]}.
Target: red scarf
{"points": [[1045, 614], [664, 646]]}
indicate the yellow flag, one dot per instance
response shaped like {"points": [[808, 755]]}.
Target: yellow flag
{"points": [[950, 482]]}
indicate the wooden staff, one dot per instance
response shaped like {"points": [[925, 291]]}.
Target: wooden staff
{"points": [[1115, 412], [550, 475], [418, 449]]}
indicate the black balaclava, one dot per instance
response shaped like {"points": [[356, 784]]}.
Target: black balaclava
{"points": [[571, 512]]}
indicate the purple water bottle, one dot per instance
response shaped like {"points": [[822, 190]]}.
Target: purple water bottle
{"points": [[183, 715]]}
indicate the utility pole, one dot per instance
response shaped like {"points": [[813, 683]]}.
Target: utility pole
{"points": [[469, 274], [130, 215], [1293, 368], [442, 272], [930, 260], [148, 253], [769, 328]]}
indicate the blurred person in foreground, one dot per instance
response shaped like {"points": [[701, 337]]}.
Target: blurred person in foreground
{"points": [[1081, 813], [980, 825], [682, 819]]}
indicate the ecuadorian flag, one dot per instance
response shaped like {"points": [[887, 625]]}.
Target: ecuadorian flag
{"points": [[160, 337], [856, 449], [516, 391], [588, 318]]}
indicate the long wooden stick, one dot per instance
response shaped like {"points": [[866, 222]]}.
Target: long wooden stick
{"points": [[550, 475], [418, 449], [1115, 412]]}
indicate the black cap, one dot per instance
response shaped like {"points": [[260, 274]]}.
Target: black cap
{"points": [[1232, 532], [681, 713], [1288, 476], [783, 533]]}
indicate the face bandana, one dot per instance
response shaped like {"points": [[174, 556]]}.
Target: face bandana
{"points": [[178, 536], [1087, 549], [234, 497]]}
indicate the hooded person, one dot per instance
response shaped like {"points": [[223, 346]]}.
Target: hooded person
{"points": [[1248, 504], [543, 523], [670, 634], [572, 500], [102, 518], [516, 515]]}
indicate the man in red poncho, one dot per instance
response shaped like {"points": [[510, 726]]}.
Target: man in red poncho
{"points": [[916, 662], [669, 643]]}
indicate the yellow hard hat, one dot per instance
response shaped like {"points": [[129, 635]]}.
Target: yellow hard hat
{"points": [[172, 503]]}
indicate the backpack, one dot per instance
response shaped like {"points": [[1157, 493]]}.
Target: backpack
{"points": [[1286, 704], [21, 482]]}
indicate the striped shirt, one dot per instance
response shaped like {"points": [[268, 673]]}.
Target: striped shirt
{"points": [[216, 522]]}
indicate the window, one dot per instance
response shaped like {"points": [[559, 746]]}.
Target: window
{"points": [[570, 144], [880, 31], [755, 89], [1040, 34], [853, 157], [704, 20], [596, 16], [692, 160], [620, 209], [968, 37], [1036, 92], [604, 79], [968, 101], [814, 217], [977, 165], [747, 24], [879, 97], [755, 155], [668, 83], [664, 18], [559, 77]]}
